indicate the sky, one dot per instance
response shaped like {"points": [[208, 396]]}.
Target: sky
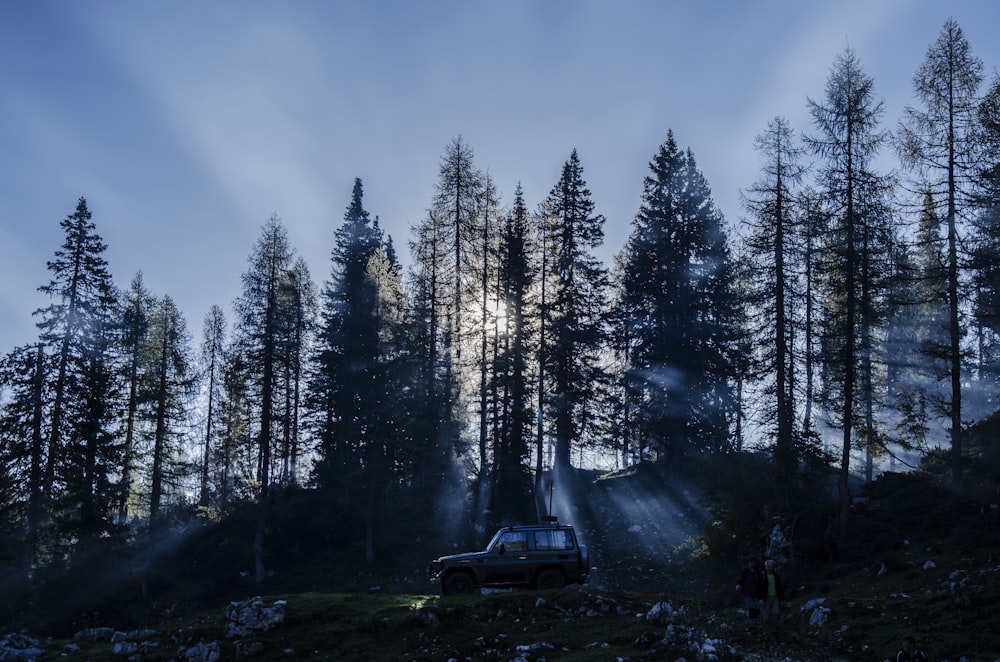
{"points": [[186, 124]]}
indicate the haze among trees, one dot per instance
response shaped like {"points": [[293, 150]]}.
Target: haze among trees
{"points": [[848, 320]]}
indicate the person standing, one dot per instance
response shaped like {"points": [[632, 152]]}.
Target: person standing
{"points": [[909, 652], [774, 595], [752, 585]]}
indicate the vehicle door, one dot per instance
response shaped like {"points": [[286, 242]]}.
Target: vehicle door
{"points": [[554, 547], [507, 557]]}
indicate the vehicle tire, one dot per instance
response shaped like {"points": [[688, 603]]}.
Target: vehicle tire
{"points": [[458, 583], [550, 579]]}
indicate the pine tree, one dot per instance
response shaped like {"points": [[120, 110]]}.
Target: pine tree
{"points": [[356, 372]]}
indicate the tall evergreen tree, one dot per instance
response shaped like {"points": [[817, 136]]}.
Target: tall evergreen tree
{"points": [[76, 328], [938, 143], [986, 256], [511, 475], [347, 346], [354, 373], [680, 305], [24, 395], [577, 283]]}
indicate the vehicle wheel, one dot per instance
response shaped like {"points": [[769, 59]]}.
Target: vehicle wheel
{"points": [[458, 583], [550, 579]]}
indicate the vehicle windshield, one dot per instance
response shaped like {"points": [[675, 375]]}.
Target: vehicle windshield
{"points": [[495, 540]]}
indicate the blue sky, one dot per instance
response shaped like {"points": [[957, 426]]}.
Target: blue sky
{"points": [[186, 124]]}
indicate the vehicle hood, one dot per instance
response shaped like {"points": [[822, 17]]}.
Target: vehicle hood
{"points": [[464, 557]]}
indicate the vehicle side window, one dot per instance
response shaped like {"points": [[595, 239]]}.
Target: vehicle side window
{"points": [[513, 541], [555, 539]]}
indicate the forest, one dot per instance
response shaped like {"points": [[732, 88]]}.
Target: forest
{"points": [[848, 324]]}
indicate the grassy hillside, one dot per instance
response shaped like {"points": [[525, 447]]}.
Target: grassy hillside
{"points": [[919, 560]]}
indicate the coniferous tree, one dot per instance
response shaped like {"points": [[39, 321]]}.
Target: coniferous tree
{"points": [[136, 304], [355, 369], [347, 347], [773, 246], [24, 394], [298, 303], [577, 286], [938, 143], [77, 329], [261, 313], [848, 140], [680, 304], [212, 358], [171, 383], [511, 474], [986, 246], [260, 310]]}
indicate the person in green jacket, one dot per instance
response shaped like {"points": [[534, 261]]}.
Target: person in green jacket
{"points": [[774, 595]]}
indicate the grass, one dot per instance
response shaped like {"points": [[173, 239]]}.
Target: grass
{"points": [[921, 560]]}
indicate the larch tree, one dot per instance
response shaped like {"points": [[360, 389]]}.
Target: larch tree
{"points": [[213, 344], [171, 383], [260, 330], [847, 142], [938, 144], [135, 305], [774, 249]]}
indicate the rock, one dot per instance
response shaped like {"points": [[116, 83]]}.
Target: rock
{"points": [[660, 612], [19, 647], [251, 616], [201, 652]]}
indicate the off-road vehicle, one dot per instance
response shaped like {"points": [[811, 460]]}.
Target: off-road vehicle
{"points": [[543, 556]]}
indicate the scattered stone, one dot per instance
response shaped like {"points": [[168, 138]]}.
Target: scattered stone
{"points": [[252, 616], [201, 652], [95, 634], [660, 612], [19, 647]]}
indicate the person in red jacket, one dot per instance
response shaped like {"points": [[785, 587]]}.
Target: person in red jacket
{"points": [[752, 585]]}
